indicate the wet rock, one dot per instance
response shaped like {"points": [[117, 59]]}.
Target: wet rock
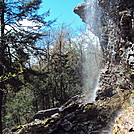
{"points": [[132, 75], [70, 116], [15, 129], [69, 109], [82, 117], [80, 132], [104, 3], [45, 113], [66, 125], [95, 132]]}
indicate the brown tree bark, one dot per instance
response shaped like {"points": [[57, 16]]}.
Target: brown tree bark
{"points": [[1, 98], [2, 49]]}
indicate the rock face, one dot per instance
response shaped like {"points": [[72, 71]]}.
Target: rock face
{"points": [[45, 113], [76, 118], [124, 124], [117, 43], [91, 13], [119, 49], [80, 10]]}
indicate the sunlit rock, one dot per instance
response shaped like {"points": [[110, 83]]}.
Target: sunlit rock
{"points": [[124, 123], [45, 113]]}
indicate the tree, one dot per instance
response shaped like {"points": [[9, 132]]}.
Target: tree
{"points": [[18, 108], [61, 69], [51, 80], [17, 42]]}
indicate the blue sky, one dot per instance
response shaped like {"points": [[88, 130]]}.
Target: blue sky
{"points": [[63, 10]]}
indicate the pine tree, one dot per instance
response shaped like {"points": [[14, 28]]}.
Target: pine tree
{"points": [[17, 42]]}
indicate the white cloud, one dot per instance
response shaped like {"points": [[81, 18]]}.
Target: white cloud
{"points": [[25, 24]]}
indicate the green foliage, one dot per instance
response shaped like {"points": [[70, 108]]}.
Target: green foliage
{"points": [[17, 46], [18, 109], [50, 82], [18, 40], [10, 75], [62, 67]]}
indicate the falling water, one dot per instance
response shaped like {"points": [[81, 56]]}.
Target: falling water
{"points": [[92, 51]]}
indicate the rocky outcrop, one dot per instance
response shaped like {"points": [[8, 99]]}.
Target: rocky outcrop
{"points": [[119, 50], [76, 117], [117, 43], [80, 10], [45, 113], [117, 76], [91, 13], [124, 124]]}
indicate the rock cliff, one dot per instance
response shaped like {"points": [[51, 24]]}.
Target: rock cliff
{"points": [[117, 43], [124, 124]]}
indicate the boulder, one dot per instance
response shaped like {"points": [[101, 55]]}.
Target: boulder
{"points": [[45, 113], [66, 125], [124, 123]]}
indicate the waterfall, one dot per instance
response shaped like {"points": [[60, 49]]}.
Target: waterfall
{"points": [[92, 50]]}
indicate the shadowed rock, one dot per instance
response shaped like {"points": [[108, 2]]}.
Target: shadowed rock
{"points": [[80, 10], [45, 113]]}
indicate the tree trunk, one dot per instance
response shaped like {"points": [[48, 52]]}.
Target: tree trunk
{"points": [[1, 97], [2, 25]]}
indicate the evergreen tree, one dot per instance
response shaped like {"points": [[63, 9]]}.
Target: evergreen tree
{"points": [[17, 42]]}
